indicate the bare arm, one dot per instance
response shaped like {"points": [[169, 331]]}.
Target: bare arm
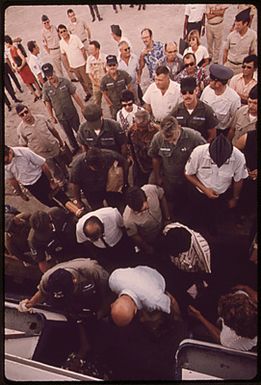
{"points": [[237, 186], [49, 108], [15, 184], [55, 134], [164, 209], [212, 133], [107, 99], [156, 169], [38, 297], [65, 62], [147, 107], [225, 55]]}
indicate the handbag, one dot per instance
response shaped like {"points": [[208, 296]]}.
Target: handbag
{"points": [[115, 178], [66, 154]]}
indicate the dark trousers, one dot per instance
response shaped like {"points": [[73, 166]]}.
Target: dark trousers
{"points": [[197, 26], [93, 10], [42, 191], [204, 211], [68, 126], [7, 101], [8, 72]]}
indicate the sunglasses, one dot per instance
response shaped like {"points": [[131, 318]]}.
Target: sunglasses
{"points": [[127, 49], [112, 65], [184, 92], [127, 104], [23, 113], [47, 22], [62, 31], [245, 66], [189, 65]]}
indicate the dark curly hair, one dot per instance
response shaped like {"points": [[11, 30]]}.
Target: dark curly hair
{"points": [[239, 313]]}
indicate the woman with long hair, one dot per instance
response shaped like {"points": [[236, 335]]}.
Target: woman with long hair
{"points": [[200, 51]]}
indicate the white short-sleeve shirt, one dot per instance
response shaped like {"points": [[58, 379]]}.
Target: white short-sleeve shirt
{"points": [[146, 286], [162, 105], [224, 105], [113, 224], [35, 63], [73, 51], [200, 53], [25, 167], [195, 12], [212, 176]]}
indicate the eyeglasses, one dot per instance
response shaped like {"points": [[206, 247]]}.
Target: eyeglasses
{"points": [[184, 92], [127, 49], [172, 51], [245, 66], [47, 22], [189, 64], [63, 30], [23, 113], [127, 104]]}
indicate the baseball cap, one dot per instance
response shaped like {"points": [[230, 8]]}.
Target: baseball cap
{"points": [[47, 69], [243, 15], [111, 59]]}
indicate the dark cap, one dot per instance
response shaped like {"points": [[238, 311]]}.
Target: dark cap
{"points": [[44, 18], [220, 72], [20, 107], [116, 29], [188, 83], [47, 69], [243, 15], [60, 285], [93, 113], [111, 59]]}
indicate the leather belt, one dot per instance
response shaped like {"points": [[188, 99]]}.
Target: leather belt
{"points": [[236, 64], [53, 48], [216, 23]]}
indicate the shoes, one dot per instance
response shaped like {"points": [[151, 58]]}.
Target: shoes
{"points": [[9, 108], [74, 80], [100, 18], [37, 98], [17, 100], [93, 19], [21, 91], [87, 97], [132, 6]]}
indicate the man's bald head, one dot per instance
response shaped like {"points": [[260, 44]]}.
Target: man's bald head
{"points": [[123, 310], [93, 228]]}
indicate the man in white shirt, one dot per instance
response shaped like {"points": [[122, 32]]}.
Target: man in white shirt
{"points": [[211, 169], [35, 63], [162, 96], [222, 98], [140, 289], [116, 34], [96, 69], [194, 19], [103, 230], [129, 62], [75, 57]]}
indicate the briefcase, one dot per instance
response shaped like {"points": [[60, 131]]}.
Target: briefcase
{"points": [[66, 154]]}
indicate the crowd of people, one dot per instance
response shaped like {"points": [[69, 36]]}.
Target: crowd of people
{"points": [[136, 201]]}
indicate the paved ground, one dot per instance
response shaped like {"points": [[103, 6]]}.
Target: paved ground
{"points": [[166, 22]]}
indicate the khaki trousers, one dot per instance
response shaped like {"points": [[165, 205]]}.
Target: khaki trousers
{"points": [[85, 81], [56, 57], [214, 34], [236, 68]]}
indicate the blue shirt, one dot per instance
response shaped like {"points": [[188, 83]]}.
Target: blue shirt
{"points": [[151, 58]]}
